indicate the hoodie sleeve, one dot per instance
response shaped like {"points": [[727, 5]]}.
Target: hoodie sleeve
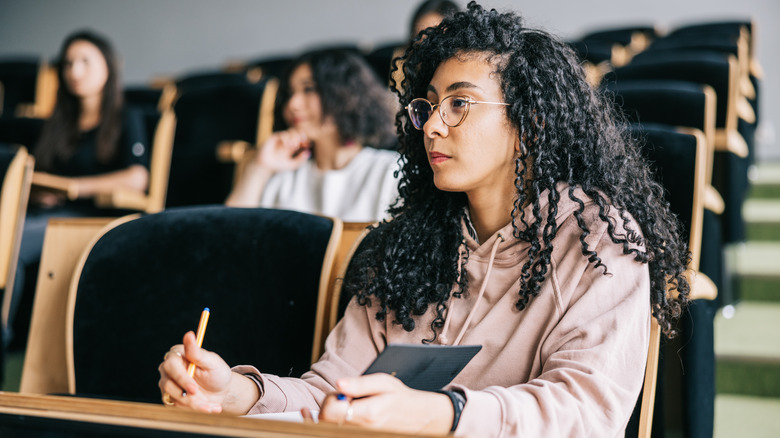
{"points": [[349, 349], [593, 360]]}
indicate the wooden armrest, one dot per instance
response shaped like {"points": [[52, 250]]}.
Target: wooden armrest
{"points": [[620, 55], [713, 201], [54, 182], [25, 110], [123, 198], [731, 141], [745, 110], [595, 72], [756, 69], [746, 87], [232, 151], [702, 287]]}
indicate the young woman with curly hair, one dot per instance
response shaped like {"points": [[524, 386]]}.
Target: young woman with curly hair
{"points": [[528, 224], [332, 106]]}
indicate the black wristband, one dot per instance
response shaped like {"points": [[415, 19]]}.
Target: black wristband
{"points": [[458, 402]]}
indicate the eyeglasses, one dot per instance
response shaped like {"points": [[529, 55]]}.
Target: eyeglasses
{"points": [[452, 109]]}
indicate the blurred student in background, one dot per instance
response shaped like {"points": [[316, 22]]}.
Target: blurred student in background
{"points": [[91, 142], [429, 14], [328, 156]]}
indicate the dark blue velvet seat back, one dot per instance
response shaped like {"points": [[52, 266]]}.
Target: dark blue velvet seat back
{"points": [[208, 79], [205, 117], [621, 35], [675, 103], [19, 77], [672, 155], [7, 154], [21, 130], [145, 283], [729, 173], [702, 67], [594, 51], [272, 66]]}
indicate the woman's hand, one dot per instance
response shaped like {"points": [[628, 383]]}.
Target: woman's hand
{"points": [[284, 150], [207, 390], [381, 401]]}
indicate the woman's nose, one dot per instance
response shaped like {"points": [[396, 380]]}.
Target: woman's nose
{"points": [[296, 101], [435, 126], [75, 70]]}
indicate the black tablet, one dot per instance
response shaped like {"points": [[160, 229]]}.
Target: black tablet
{"points": [[423, 367]]}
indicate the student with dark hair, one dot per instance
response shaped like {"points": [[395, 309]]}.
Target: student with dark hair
{"points": [[333, 121], [91, 141], [430, 13], [528, 224]]}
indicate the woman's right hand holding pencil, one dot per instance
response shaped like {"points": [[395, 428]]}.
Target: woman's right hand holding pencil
{"points": [[213, 388]]}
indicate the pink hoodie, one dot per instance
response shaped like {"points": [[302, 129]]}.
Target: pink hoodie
{"points": [[570, 364]]}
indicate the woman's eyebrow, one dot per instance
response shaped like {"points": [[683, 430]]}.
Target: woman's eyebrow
{"points": [[454, 86], [460, 85]]}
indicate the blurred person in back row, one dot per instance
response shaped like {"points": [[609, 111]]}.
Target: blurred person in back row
{"points": [[429, 14], [333, 153], [92, 142]]}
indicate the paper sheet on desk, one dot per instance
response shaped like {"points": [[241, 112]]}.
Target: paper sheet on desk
{"points": [[293, 417]]}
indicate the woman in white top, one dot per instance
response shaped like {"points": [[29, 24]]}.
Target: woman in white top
{"points": [[329, 109]]}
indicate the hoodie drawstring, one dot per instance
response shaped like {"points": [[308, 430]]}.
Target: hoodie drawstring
{"points": [[443, 336]]}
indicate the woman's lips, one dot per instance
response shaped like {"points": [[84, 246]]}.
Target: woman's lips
{"points": [[438, 157]]}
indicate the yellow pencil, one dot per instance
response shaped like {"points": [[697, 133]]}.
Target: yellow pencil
{"points": [[204, 320]]}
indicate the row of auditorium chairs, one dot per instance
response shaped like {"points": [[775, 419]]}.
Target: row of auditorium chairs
{"points": [[189, 162], [28, 84], [693, 78], [702, 80]]}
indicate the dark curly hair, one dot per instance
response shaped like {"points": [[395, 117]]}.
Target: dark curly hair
{"points": [[351, 93], [60, 135], [567, 131]]}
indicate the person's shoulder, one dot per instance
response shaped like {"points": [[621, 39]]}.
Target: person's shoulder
{"points": [[577, 208], [381, 154], [383, 158]]}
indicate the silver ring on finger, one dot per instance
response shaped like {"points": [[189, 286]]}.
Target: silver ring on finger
{"points": [[167, 353]]}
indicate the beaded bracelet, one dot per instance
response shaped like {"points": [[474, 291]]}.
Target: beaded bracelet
{"points": [[458, 402]]}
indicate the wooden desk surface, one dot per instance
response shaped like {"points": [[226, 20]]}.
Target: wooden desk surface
{"points": [[22, 413]]}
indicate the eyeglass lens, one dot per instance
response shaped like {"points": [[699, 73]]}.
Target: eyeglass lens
{"points": [[452, 110]]}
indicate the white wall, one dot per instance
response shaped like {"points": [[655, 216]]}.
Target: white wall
{"points": [[170, 37]]}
